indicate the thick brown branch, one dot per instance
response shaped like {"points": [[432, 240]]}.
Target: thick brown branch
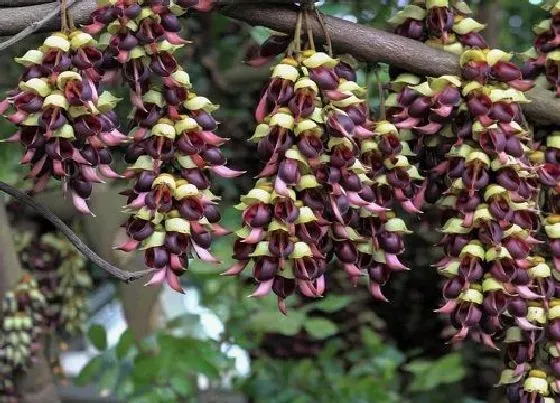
{"points": [[363, 42], [72, 237], [20, 3]]}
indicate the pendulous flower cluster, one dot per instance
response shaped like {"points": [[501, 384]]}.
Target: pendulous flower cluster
{"points": [[61, 276], [66, 126], [173, 213], [439, 24], [22, 322], [427, 111], [491, 265], [543, 59], [327, 184]]}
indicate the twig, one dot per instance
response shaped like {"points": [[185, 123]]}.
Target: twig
{"points": [[34, 26], [114, 271]]}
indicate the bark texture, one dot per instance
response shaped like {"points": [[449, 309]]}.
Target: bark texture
{"points": [[365, 43]]}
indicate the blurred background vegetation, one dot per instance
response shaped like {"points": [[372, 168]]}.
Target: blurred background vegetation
{"points": [[215, 344]]}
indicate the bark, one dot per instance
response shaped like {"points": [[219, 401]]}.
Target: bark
{"points": [[365, 43], [37, 384]]}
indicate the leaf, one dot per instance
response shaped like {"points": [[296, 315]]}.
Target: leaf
{"points": [[274, 322], [125, 342], [109, 378], [181, 385], [320, 328], [260, 34], [98, 337], [428, 375], [90, 371], [125, 389], [332, 303]]}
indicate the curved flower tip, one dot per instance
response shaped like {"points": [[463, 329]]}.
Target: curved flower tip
{"points": [[107, 172], [4, 104], [93, 29], [235, 269], [410, 207], [263, 289], [14, 138], [175, 39], [460, 335], [256, 235], [212, 139], [449, 307], [205, 255], [375, 291], [218, 230], [81, 204], [113, 138], [157, 278], [226, 172], [353, 271], [394, 263], [525, 292], [173, 281], [487, 340], [128, 246], [524, 324], [282, 306]]}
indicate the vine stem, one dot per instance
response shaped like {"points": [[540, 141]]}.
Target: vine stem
{"points": [[382, 109], [80, 245]]}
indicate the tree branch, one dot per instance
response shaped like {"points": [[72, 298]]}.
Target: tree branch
{"points": [[365, 43], [72, 237], [32, 28]]}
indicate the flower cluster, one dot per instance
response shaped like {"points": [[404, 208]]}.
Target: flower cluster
{"points": [[327, 183], [173, 212], [63, 122], [61, 275], [427, 111], [544, 57], [491, 218], [391, 179], [440, 25], [22, 313], [284, 230]]}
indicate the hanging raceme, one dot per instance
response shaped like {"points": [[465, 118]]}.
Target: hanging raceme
{"points": [[427, 111], [543, 59], [330, 176], [65, 125], [22, 321], [173, 214], [61, 276]]}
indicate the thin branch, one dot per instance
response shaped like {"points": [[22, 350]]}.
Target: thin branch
{"points": [[72, 237], [36, 26]]}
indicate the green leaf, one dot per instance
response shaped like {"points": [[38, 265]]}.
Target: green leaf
{"points": [[125, 389], [182, 385], [260, 34], [125, 342], [274, 322], [320, 328], [109, 378], [332, 303], [98, 337], [90, 371], [429, 375]]}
